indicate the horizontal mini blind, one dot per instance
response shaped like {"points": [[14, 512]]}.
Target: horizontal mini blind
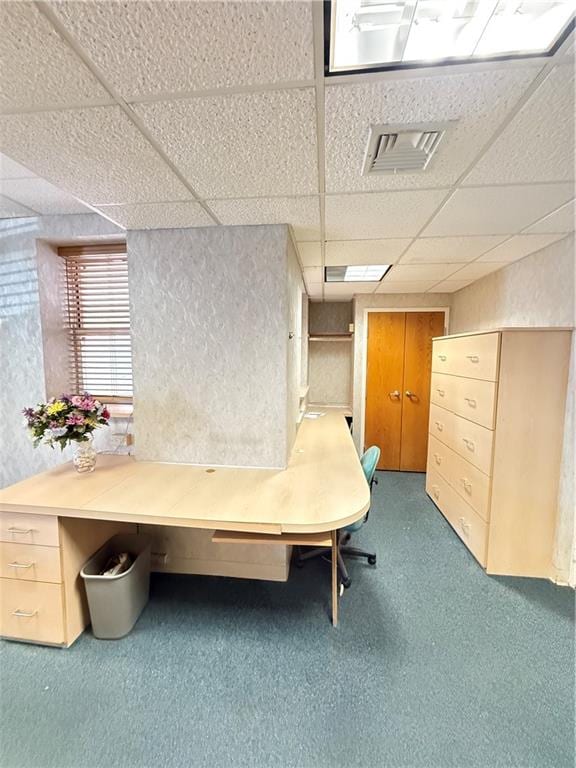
{"points": [[98, 320]]}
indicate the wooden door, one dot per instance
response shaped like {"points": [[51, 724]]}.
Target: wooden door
{"points": [[398, 371], [384, 381], [421, 327]]}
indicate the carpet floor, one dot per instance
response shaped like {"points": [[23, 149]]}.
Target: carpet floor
{"points": [[434, 665]]}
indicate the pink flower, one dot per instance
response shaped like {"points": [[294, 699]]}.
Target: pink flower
{"points": [[76, 400], [75, 419]]}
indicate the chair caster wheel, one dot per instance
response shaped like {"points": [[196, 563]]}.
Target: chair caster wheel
{"points": [[346, 583], [372, 560]]}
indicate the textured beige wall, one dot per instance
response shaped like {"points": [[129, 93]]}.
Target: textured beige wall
{"points": [[537, 291], [295, 290]]}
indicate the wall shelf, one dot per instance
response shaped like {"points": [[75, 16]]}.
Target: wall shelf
{"points": [[330, 336]]}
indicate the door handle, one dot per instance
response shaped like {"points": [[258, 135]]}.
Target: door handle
{"points": [[395, 394], [409, 394]]}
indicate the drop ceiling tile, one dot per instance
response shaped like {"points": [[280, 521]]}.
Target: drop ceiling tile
{"points": [[96, 154], [38, 67], [158, 215], [518, 247], [420, 272], [343, 290], [11, 170], [562, 221], [496, 210], [41, 196], [150, 47], [313, 275], [449, 250], [9, 209], [476, 270], [477, 101], [240, 145], [350, 252], [538, 145], [379, 215], [415, 286], [303, 213], [450, 286], [310, 254]]}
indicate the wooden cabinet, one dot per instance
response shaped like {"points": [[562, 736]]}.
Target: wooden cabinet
{"points": [[496, 431], [42, 598], [398, 386]]}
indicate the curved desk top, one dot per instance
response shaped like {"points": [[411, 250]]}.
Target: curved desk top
{"points": [[322, 489]]}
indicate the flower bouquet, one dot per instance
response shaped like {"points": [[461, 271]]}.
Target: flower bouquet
{"points": [[66, 420]]}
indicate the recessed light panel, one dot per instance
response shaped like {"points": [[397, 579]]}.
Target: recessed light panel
{"points": [[369, 273], [390, 34]]}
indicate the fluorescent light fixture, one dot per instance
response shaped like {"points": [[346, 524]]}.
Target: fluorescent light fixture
{"points": [[398, 34], [369, 273]]}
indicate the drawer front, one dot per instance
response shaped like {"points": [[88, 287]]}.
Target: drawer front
{"points": [[473, 356], [472, 441], [466, 479], [21, 528], [470, 528], [31, 610], [30, 562], [471, 398]]}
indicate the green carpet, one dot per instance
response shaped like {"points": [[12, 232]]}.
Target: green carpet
{"points": [[434, 665]]}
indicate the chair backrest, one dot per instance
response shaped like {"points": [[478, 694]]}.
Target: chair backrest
{"points": [[369, 463]]}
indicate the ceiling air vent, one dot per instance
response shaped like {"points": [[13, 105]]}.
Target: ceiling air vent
{"points": [[401, 149]]}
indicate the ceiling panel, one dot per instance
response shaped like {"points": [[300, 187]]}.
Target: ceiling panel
{"points": [[303, 213], [380, 215], [11, 170], [313, 275], [38, 67], [476, 270], [151, 47], [347, 290], [41, 196], [449, 250], [450, 286], [158, 215], [355, 252], [241, 145], [95, 154], [518, 247], [538, 145], [478, 101], [9, 209], [563, 221], [415, 286], [310, 254], [409, 272], [496, 210]]}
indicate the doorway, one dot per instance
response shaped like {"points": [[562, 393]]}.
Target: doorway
{"points": [[398, 370]]}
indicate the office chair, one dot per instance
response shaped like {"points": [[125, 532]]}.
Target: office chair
{"points": [[369, 462]]}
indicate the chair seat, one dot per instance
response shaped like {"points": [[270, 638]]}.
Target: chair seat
{"points": [[355, 526]]}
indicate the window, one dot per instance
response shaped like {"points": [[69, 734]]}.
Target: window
{"points": [[98, 321], [371, 35]]}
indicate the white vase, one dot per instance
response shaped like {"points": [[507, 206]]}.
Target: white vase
{"points": [[84, 458]]}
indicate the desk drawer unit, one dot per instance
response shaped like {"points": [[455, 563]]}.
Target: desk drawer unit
{"points": [[475, 356], [467, 524], [466, 479], [31, 610], [471, 441], [30, 562], [472, 399], [20, 528]]}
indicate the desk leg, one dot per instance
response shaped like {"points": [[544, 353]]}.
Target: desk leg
{"points": [[334, 578]]}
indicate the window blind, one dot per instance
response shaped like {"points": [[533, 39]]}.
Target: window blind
{"points": [[98, 321]]}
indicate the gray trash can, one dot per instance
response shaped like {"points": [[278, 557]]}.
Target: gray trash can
{"points": [[116, 602]]}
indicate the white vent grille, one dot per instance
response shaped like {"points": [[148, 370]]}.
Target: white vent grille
{"points": [[401, 149]]}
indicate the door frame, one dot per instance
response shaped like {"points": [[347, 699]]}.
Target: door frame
{"points": [[364, 342]]}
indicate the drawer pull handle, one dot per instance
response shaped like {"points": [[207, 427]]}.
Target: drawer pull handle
{"points": [[439, 426], [473, 358], [20, 565], [22, 531], [465, 526], [24, 614], [437, 458], [469, 443], [435, 491], [471, 402], [467, 484], [442, 357], [441, 392]]}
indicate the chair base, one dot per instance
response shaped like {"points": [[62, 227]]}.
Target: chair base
{"points": [[343, 549]]}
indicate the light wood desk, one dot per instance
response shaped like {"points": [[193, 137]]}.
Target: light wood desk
{"points": [[57, 519]]}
